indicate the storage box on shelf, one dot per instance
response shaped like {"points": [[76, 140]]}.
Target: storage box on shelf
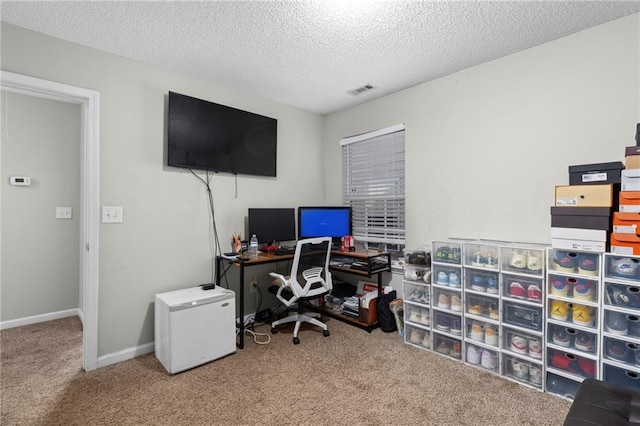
{"points": [[573, 319], [620, 349], [416, 295], [446, 292]]}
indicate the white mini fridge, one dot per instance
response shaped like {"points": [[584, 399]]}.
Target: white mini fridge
{"points": [[194, 326]]}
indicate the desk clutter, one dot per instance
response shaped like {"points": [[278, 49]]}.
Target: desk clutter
{"points": [[360, 302]]}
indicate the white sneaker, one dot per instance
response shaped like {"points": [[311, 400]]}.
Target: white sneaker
{"points": [[490, 335], [477, 332], [489, 360], [414, 315], [416, 336], [425, 318], [520, 369], [535, 375], [456, 303], [426, 341], [473, 355]]}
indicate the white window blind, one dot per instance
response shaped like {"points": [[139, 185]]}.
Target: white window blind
{"points": [[373, 184]]}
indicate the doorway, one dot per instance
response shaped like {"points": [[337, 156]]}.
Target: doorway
{"points": [[88, 100]]}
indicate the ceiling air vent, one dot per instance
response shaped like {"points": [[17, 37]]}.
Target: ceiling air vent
{"points": [[361, 90]]}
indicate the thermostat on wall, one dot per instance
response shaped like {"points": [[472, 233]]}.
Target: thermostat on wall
{"points": [[20, 181]]}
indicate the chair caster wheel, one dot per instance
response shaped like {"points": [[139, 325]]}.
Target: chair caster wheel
{"points": [[325, 333], [274, 330], [296, 341]]}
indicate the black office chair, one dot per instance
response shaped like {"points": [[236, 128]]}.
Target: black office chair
{"points": [[305, 282]]}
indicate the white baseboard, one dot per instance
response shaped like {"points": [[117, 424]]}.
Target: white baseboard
{"points": [[125, 354], [39, 318]]}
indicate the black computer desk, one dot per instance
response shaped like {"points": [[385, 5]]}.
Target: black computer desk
{"points": [[367, 256]]}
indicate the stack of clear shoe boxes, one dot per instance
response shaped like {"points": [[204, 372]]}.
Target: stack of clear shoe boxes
{"points": [[523, 285], [573, 319], [446, 298], [416, 291], [482, 305], [620, 349]]}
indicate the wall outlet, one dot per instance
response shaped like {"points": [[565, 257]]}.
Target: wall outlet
{"points": [[254, 284]]}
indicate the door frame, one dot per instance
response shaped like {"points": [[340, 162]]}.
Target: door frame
{"points": [[89, 101]]}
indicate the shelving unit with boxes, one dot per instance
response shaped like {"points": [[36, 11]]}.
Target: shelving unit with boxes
{"points": [[522, 277], [481, 294], [620, 348], [573, 319], [416, 295], [446, 296]]}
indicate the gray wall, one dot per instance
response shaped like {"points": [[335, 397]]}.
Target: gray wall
{"points": [[486, 146], [40, 257], [164, 242]]}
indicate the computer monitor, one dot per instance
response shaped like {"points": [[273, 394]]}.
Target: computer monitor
{"points": [[272, 225], [331, 221]]}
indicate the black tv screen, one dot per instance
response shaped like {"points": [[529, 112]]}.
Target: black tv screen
{"points": [[272, 225], [203, 135]]}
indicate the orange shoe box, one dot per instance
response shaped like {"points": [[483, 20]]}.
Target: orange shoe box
{"points": [[626, 244], [626, 222], [600, 195], [629, 201]]}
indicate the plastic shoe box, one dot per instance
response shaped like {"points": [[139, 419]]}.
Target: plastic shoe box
{"points": [[622, 295], [523, 260], [482, 281], [574, 261], [573, 313], [479, 255], [447, 252], [447, 323], [418, 336], [517, 287], [415, 273], [522, 370], [447, 346], [621, 377], [573, 339], [482, 306], [417, 315], [482, 332], [442, 275], [576, 288], [522, 315], [522, 344], [622, 268], [589, 174], [571, 363], [449, 300], [415, 292], [561, 386], [622, 351], [621, 323], [482, 357]]}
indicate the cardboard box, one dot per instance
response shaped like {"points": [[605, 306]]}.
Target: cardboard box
{"points": [[626, 222], [600, 235], [631, 180], [625, 244], [632, 157], [581, 217], [629, 201], [595, 173], [584, 195], [579, 245]]}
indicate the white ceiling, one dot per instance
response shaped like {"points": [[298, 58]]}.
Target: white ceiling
{"points": [[309, 54]]}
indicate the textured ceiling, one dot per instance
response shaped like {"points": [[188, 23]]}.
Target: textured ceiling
{"points": [[309, 54]]}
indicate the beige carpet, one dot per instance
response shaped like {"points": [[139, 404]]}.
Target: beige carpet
{"points": [[351, 377]]}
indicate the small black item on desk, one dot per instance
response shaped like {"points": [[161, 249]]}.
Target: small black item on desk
{"points": [[284, 250], [208, 286], [231, 253], [243, 257]]}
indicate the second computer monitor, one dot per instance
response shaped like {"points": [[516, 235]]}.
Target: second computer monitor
{"points": [[332, 221]]}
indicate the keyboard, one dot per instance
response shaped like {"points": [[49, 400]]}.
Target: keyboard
{"points": [[283, 250]]}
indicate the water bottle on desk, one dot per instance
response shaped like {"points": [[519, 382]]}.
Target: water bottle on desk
{"points": [[253, 247]]}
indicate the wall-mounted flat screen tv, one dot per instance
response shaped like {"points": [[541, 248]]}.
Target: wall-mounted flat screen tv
{"points": [[203, 135]]}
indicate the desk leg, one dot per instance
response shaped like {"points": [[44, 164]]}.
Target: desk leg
{"points": [[241, 334]]}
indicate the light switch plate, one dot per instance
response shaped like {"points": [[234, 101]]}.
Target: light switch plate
{"points": [[64, 212], [111, 214]]}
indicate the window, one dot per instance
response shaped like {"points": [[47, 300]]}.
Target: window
{"points": [[373, 185]]}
